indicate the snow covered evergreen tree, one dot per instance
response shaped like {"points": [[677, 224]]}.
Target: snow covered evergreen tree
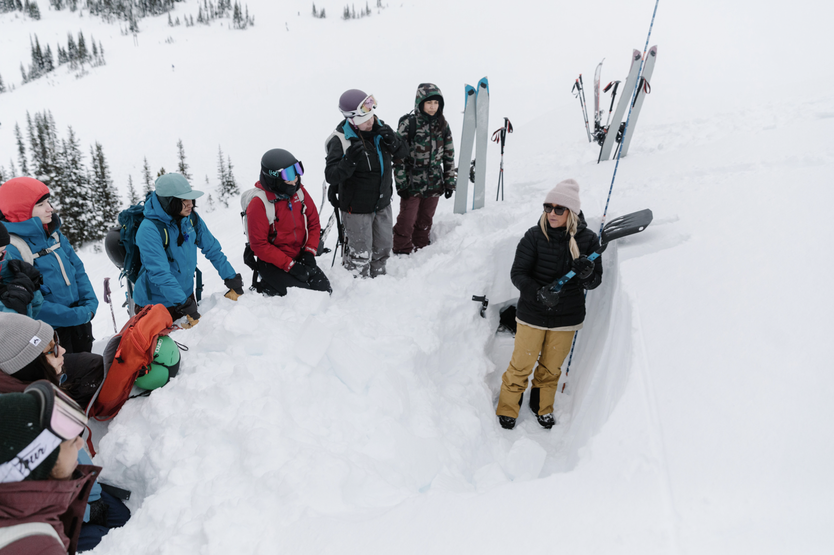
{"points": [[147, 179], [21, 150], [132, 194], [228, 186], [2, 86], [43, 143], [182, 165], [105, 200], [75, 207]]}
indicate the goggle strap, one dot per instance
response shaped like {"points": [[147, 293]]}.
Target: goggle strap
{"points": [[17, 469]]}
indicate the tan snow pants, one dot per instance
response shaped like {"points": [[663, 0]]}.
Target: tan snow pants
{"points": [[553, 346]]}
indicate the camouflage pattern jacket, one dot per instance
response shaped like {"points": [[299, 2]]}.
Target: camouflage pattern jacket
{"points": [[429, 168]]}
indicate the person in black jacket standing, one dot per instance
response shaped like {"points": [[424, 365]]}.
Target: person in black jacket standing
{"points": [[359, 169], [547, 321]]}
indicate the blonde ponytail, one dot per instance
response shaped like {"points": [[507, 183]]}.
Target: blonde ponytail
{"points": [[572, 224]]}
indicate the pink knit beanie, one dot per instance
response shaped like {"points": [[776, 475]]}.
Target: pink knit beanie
{"points": [[565, 194]]}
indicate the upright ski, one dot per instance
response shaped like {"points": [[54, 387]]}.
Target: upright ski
{"points": [[481, 142], [599, 134], [613, 128], [466, 143], [644, 89]]}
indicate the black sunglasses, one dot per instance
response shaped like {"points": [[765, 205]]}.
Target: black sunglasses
{"points": [[559, 210], [57, 343]]}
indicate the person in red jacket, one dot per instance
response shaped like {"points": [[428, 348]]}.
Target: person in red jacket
{"points": [[43, 489], [283, 228]]}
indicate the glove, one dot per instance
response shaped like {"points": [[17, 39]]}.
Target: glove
{"points": [[388, 135], [235, 284], [190, 322], [232, 294], [98, 512], [308, 259], [16, 297], [547, 297], [402, 194], [189, 308], [300, 272], [19, 267], [448, 193], [355, 152], [583, 267], [333, 196]]}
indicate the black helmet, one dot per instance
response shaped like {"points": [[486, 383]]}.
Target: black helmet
{"points": [[272, 164], [113, 246]]}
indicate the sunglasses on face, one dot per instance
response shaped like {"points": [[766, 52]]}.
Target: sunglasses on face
{"points": [[56, 342], [558, 210]]}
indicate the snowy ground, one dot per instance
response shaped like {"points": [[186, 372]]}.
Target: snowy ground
{"points": [[699, 396]]}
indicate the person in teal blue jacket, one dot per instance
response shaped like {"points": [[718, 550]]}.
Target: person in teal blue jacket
{"points": [[167, 274], [69, 302]]}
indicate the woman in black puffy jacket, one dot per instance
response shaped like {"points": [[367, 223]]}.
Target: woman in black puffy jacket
{"points": [[547, 321]]}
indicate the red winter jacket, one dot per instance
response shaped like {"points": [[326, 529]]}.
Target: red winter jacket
{"points": [[280, 243], [59, 503]]}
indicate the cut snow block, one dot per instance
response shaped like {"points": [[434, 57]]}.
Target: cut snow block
{"points": [[313, 341], [525, 460]]}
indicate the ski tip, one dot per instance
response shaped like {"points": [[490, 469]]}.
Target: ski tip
{"points": [[653, 51], [636, 55], [483, 84], [469, 90]]}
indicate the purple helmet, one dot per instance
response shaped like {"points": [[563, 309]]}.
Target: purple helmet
{"points": [[357, 106]]}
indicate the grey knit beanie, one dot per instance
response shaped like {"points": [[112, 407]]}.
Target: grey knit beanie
{"points": [[20, 414], [565, 194], [22, 339]]}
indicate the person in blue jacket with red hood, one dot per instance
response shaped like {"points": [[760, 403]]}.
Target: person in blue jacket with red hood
{"points": [[69, 302], [167, 275]]}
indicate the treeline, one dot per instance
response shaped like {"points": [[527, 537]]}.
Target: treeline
{"points": [[29, 8], [130, 11], [82, 194], [75, 54], [350, 11], [209, 11]]}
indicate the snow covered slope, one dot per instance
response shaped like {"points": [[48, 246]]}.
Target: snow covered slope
{"points": [[699, 397]]}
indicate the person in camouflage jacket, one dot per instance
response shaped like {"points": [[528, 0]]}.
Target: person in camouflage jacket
{"points": [[426, 173]]}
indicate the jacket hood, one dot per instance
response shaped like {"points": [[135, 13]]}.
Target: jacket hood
{"points": [[153, 209], [18, 197], [426, 91]]}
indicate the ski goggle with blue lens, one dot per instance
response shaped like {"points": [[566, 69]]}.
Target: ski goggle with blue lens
{"points": [[288, 174]]}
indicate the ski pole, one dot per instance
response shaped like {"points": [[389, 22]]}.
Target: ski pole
{"points": [[340, 230], [616, 85], [500, 137], [580, 94], [617, 164], [108, 301]]}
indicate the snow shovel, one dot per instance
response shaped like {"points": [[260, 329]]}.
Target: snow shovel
{"points": [[615, 229]]}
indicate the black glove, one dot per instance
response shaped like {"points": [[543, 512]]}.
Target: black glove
{"points": [[308, 259], [16, 297], [403, 193], [98, 512], [19, 267], [355, 152], [235, 284], [333, 196], [189, 308], [388, 135], [448, 193], [583, 268], [300, 272], [547, 297]]}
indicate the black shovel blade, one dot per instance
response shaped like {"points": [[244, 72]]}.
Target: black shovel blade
{"points": [[626, 225]]}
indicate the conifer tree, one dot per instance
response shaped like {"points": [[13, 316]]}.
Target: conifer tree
{"points": [[182, 166], [105, 201], [21, 149], [2, 86], [82, 48], [147, 180], [76, 207], [132, 195], [43, 143]]}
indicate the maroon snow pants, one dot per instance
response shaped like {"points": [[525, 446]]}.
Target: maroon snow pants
{"points": [[414, 224]]}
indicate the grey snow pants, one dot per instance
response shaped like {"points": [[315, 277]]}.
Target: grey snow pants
{"points": [[369, 238]]}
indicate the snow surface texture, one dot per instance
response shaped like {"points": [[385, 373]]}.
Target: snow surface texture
{"points": [[700, 393]]}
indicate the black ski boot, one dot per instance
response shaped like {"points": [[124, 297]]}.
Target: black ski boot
{"points": [[546, 421], [507, 422]]}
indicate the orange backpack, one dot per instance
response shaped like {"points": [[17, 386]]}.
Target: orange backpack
{"points": [[126, 355]]}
